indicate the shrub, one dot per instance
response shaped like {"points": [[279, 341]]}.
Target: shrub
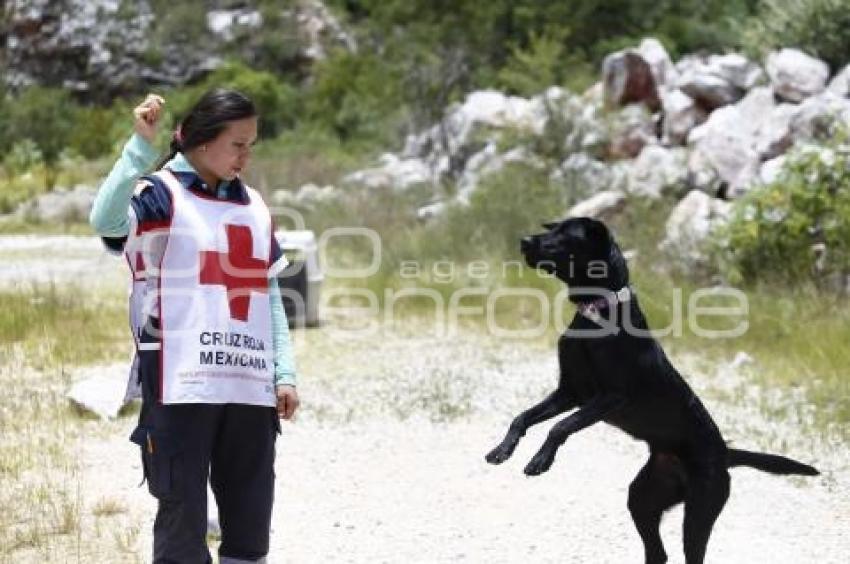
{"points": [[47, 117], [277, 101], [355, 96], [820, 27], [796, 229], [98, 130]]}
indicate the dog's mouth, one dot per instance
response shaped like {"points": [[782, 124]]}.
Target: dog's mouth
{"points": [[536, 255], [530, 249]]}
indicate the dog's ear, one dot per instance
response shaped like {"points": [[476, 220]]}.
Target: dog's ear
{"points": [[550, 224]]}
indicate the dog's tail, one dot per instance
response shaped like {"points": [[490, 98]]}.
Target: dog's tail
{"points": [[772, 463]]}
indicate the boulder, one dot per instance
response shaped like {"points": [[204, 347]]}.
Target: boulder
{"points": [[482, 118], [59, 206], [817, 118], [631, 129], [681, 115], [717, 80], [321, 29], [701, 174], [772, 170], [774, 135], [840, 83], [588, 130], [705, 83], [725, 155], [553, 103], [226, 23], [482, 163], [307, 196], [584, 176], [100, 390], [690, 225], [488, 109], [656, 56], [657, 169], [431, 211], [737, 70], [603, 206], [628, 79], [794, 75], [392, 171]]}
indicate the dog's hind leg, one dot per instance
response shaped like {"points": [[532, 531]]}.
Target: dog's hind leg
{"points": [[556, 403], [708, 490], [657, 487]]}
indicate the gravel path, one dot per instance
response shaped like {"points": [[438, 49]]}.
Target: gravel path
{"points": [[28, 259], [358, 482]]}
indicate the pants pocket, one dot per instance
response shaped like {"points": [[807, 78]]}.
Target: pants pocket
{"points": [[162, 462]]}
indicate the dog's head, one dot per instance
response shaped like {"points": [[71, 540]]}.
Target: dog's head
{"points": [[579, 251]]}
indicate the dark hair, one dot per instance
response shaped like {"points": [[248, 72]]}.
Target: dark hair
{"points": [[207, 119]]}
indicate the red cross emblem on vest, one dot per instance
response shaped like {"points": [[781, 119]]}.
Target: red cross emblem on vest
{"points": [[237, 270]]}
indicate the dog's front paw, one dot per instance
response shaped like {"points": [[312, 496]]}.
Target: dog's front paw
{"points": [[500, 453], [541, 462]]}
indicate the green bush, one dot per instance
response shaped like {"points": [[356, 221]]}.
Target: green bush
{"points": [[355, 96], [98, 130], [530, 70], [47, 117], [796, 229], [820, 27]]}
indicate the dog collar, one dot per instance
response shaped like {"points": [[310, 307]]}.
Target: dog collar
{"points": [[591, 310]]}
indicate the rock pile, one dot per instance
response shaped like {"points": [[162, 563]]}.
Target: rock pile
{"points": [[704, 130]]}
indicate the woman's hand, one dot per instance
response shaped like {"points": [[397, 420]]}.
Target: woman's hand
{"points": [[287, 401], [148, 115]]}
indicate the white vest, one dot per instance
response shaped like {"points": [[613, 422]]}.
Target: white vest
{"points": [[214, 310]]}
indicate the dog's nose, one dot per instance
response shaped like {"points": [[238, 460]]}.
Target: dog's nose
{"points": [[526, 243]]}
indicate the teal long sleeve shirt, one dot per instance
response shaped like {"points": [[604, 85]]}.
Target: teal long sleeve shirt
{"points": [[109, 218]]}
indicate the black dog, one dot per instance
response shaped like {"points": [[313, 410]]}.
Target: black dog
{"points": [[621, 376]]}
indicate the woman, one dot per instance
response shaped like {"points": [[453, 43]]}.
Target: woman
{"points": [[214, 361]]}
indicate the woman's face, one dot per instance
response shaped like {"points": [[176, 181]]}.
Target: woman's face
{"points": [[227, 155]]}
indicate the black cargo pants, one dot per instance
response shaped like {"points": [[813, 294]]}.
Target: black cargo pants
{"points": [[185, 445]]}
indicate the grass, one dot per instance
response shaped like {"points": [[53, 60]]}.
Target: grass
{"points": [[797, 337], [44, 331], [37, 472], [303, 156], [56, 327], [15, 226], [16, 188], [106, 507]]}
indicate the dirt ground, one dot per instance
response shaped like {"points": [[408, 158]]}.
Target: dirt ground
{"points": [[370, 485]]}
